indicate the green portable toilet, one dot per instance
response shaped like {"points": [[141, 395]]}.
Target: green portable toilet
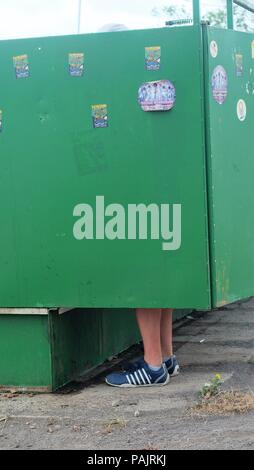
{"points": [[126, 181]]}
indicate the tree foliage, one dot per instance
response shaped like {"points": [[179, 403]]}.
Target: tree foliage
{"points": [[244, 21]]}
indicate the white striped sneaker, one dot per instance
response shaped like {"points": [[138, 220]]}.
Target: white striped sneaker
{"points": [[139, 375], [173, 367]]}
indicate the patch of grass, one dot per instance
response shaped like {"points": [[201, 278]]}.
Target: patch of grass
{"points": [[212, 388], [224, 403]]}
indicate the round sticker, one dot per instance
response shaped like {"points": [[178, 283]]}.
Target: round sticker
{"points": [[241, 110], [214, 49], [220, 84], [157, 96]]}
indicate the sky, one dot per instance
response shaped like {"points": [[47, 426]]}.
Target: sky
{"points": [[31, 18]]}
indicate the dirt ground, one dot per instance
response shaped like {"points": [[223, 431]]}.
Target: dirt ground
{"points": [[95, 416]]}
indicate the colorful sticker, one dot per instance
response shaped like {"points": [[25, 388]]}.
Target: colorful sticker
{"points": [[1, 120], [239, 65], [250, 84], [100, 115], [220, 84], [157, 96], [241, 110], [76, 64], [153, 58], [252, 49], [21, 66], [214, 49], [250, 88]]}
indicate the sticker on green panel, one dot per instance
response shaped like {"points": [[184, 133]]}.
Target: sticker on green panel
{"points": [[241, 110], [76, 64], [239, 65], [214, 49], [250, 84], [1, 120], [100, 115], [157, 96], [220, 84], [21, 66], [250, 88], [252, 49], [153, 58]]}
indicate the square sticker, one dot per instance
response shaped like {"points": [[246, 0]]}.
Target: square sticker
{"points": [[153, 58], [76, 64], [21, 66], [239, 65], [100, 115]]}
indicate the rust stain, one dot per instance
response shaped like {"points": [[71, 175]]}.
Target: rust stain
{"points": [[222, 286]]}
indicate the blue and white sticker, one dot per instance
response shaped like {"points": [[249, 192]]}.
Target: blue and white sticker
{"points": [[153, 58], [76, 64], [219, 84], [157, 95], [100, 115], [21, 66]]}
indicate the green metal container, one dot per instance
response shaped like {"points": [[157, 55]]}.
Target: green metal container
{"points": [[53, 159], [230, 149], [56, 155], [41, 352]]}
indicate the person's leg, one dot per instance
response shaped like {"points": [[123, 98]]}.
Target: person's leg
{"points": [[149, 322], [166, 333], [149, 371]]}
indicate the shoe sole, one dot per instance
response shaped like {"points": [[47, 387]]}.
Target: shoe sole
{"points": [[139, 386]]}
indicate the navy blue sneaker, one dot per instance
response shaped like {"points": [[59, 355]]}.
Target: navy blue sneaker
{"points": [[173, 366], [139, 375]]}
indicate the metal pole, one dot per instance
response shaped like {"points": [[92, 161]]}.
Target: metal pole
{"points": [[230, 14], [196, 12], [79, 14], [242, 4]]}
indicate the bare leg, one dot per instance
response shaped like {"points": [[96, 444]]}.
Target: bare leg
{"points": [[166, 333], [149, 322]]}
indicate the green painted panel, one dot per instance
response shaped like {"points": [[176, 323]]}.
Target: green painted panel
{"points": [[119, 331], [76, 344], [52, 159], [81, 340], [231, 169], [25, 359]]}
